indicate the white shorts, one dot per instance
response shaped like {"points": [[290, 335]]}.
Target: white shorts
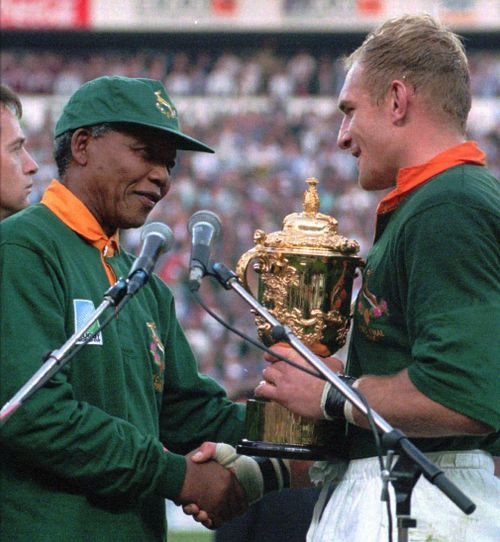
{"points": [[355, 513]]}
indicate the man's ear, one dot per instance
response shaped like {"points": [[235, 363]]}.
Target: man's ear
{"points": [[400, 96], [79, 143]]}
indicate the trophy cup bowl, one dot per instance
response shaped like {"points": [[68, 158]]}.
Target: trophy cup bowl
{"points": [[305, 275]]}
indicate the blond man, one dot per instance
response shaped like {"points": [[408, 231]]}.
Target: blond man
{"points": [[425, 342]]}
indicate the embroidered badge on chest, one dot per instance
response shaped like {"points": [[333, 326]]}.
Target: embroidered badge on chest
{"points": [[157, 351], [83, 309], [372, 311]]}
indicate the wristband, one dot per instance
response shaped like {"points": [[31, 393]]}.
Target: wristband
{"points": [[257, 475], [334, 403], [324, 395], [348, 406]]}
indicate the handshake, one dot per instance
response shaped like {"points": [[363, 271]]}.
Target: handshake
{"points": [[220, 484]]}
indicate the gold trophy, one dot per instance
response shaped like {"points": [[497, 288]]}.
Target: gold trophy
{"points": [[305, 275]]}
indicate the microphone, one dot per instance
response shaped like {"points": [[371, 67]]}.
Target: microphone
{"points": [[204, 227], [157, 238]]}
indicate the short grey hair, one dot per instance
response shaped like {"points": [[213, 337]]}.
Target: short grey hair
{"points": [[62, 145]]}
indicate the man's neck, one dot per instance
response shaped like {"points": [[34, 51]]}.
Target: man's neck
{"points": [[422, 145]]}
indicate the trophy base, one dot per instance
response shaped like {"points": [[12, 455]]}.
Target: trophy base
{"points": [[284, 451], [273, 431]]}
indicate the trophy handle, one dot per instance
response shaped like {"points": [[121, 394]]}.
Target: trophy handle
{"points": [[242, 267]]}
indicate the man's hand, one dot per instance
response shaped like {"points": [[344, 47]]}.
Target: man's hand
{"points": [[257, 475], [291, 387], [204, 453], [213, 491]]}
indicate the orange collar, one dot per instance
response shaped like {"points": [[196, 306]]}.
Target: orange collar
{"points": [[68, 208], [410, 178]]}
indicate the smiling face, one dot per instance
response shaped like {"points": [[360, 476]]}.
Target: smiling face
{"points": [[124, 174], [368, 133], [16, 165]]}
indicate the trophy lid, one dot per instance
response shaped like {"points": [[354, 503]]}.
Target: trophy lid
{"points": [[309, 232]]}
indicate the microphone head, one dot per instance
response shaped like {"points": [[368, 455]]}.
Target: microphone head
{"points": [[207, 217], [161, 230]]}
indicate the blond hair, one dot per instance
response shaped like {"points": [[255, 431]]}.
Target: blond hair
{"points": [[426, 55]]}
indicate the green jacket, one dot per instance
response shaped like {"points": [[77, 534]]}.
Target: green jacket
{"points": [[84, 459], [430, 302]]}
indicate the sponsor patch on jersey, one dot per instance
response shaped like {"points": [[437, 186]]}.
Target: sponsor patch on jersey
{"points": [[84, 308]]}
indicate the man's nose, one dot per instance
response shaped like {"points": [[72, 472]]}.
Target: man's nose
{"points": [[160, 176], [30, 167], [344, 137]]}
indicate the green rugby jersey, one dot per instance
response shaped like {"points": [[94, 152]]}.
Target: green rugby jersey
{"points": [[430, 302], [84, 458]]}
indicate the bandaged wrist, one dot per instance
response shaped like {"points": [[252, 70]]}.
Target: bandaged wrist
{"points": [[348, 406], [257, 475], [332, 400], [324, 395]]}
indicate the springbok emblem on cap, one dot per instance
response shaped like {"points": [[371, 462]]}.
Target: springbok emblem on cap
{"points": [[167, 109]]}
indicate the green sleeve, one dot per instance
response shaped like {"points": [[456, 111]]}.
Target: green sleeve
{"points": [[195, 407], [450, 261], [101, 454]]}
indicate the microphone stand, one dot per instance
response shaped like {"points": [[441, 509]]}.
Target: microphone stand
{"points": [[57, 359], [411, 463]]}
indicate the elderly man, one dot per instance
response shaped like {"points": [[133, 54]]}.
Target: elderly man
{"points": [[16, 164], [92, 455]]}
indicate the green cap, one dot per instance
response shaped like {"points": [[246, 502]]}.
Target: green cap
{"points": [[125, 99]]}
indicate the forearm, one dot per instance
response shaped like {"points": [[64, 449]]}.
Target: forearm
{"points": [[258, 475], [394, 397], [101, 454], [399, 402]]}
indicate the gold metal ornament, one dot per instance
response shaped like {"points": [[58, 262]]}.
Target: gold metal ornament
{"points": [[305, 275]]}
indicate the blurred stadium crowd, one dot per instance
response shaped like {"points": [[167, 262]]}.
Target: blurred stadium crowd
{"points": [[262, 71], [258, 174]]}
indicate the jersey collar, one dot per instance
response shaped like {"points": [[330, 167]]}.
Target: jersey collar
{"points": [[68, 208], [410, 178]]}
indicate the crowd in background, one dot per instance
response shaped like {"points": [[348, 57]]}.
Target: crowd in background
{"points": [[258, 173], [259, 71]]}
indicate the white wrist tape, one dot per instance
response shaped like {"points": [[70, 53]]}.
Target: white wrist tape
{"points": [[348, 406], [348, 412], [324, 395], [257, 475]]}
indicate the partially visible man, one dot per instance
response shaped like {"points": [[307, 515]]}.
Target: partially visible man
{"points": [[16, 164], [92, 455], [425, 343]]}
